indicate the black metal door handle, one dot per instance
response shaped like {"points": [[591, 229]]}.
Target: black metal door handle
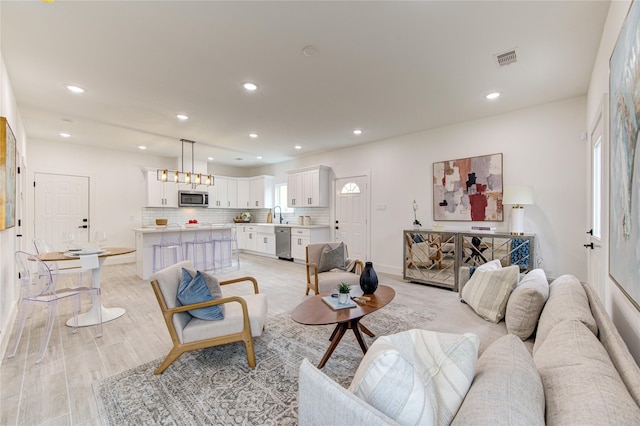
{"points": [[590, 245]]}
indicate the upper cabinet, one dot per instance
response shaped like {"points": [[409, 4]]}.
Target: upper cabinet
{"points": [[224, 193], [255, 192], [308, 187], [160, 194]]}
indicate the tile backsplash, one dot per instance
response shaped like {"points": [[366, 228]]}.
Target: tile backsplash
{"points": [[319, 216]]}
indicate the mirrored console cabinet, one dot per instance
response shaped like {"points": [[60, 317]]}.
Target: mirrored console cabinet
{"points": [[439, 257]]}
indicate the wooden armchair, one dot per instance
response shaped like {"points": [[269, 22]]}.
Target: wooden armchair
{"points": [[321, 282], [244, 316]]}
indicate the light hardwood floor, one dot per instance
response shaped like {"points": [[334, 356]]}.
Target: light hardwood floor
{"points": [[58, 391]]}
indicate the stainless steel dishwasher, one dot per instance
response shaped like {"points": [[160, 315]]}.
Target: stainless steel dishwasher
{"points": [[283, 243]]}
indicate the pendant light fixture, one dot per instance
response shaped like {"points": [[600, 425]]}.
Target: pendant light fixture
{"points": [[182, 176]]}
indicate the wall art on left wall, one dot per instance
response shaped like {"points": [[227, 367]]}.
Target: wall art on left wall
{"points": [[7, 176], [468, 189]]}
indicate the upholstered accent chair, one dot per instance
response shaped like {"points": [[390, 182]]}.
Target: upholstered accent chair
{"points": [[244, 316], [328, 264]]}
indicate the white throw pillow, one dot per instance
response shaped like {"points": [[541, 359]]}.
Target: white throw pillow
{"points": [[417, 376], [487, 292], [493, 265]]}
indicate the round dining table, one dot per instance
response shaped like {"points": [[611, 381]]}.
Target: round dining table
{"points": [[91, 317]]}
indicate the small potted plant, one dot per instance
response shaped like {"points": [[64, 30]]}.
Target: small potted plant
{"points": [[343, 293]]}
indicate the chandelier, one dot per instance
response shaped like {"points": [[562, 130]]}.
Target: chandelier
{"points": [[182, 176]]}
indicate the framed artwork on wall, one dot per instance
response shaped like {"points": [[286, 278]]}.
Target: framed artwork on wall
{"points": [[7, 176], [468, 189], [624, 164]]}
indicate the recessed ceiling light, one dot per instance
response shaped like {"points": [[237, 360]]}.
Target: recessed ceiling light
{"points": [[253, 135], [309, 50], [250, 86], [357, 132], [493, 95], [210, 158], [259, 157], [298, 147], [65, 135], [142, 147], [75, 89], [182, 116]]}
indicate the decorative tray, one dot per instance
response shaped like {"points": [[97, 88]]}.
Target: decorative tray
{"points": [[242, 221]]}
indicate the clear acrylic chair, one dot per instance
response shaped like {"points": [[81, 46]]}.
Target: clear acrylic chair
{"points": [[225, 248], [38, 286], [170, 243], [44, 246], [195, 248]]}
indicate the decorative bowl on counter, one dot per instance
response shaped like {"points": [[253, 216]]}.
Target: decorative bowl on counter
{"points": [[191, 225], [162, 222]]}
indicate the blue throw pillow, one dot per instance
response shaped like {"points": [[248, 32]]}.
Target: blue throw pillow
{"points": [[194, 290]]}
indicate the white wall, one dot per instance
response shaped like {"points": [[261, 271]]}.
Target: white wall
{"points": [[116, 184], [625, 316], [541, 146], [9, 289]]}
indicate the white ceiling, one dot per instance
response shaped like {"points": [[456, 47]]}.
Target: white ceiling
{"points": [[390, 68]]}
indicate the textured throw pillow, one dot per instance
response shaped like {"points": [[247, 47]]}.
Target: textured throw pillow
{"points": [[506, 390], [194, 290], [487, 292], [417, 376], [331, 258], [581, 384], [525, 304]]}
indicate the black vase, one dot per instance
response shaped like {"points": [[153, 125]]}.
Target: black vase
{"points": [[368, 279]]}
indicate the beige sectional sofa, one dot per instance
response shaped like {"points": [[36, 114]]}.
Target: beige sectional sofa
{"points": [[574, 370]]}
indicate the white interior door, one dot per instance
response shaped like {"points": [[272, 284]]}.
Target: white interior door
{"points": [[597, 237], [351, 215], [61, 204]]}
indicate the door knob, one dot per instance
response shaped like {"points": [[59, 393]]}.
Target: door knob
{"points": [[590, 232], [590, 245]]}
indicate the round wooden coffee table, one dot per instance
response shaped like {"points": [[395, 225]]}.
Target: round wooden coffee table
{"points": [[315, 311]]}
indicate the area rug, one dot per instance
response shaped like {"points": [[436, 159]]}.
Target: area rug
{"points": [[216, 386]]}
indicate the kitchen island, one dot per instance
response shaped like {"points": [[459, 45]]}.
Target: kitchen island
{"points": [[146, 237]]}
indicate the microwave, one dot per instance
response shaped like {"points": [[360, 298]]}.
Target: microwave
{"points": [[193, 199]]}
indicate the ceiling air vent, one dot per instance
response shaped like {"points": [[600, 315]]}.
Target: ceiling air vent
{"points": [[506, 58]]}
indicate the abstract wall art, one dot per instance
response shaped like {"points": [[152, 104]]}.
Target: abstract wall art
{"points": [[7, 176], [624, 164], [468, 189]]}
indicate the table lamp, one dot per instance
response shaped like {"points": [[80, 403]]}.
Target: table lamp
{"points": [[517, 196]]}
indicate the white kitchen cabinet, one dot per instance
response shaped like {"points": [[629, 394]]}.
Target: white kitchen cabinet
{"points": [[244, 193], [262, 192], [255, 192], [224, 193], [266, 239], [298, 247], [266, 244], [301, 237], [250, 238], [160, 194], [308, 187]]}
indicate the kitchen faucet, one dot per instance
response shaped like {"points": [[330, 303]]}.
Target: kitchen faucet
{"points": [[280, 213]]}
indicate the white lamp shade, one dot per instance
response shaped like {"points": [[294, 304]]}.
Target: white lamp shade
{"points": [[517, 194]]}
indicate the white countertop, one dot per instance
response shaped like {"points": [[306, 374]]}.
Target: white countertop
{"points": [[286, 225], [156, 229]]}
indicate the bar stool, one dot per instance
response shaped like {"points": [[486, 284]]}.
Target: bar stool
{"points": [[171, 242], [224, 246], [196, 247]]}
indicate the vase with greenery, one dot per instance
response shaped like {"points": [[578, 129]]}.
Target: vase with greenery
{"points": [[343, 293]]}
